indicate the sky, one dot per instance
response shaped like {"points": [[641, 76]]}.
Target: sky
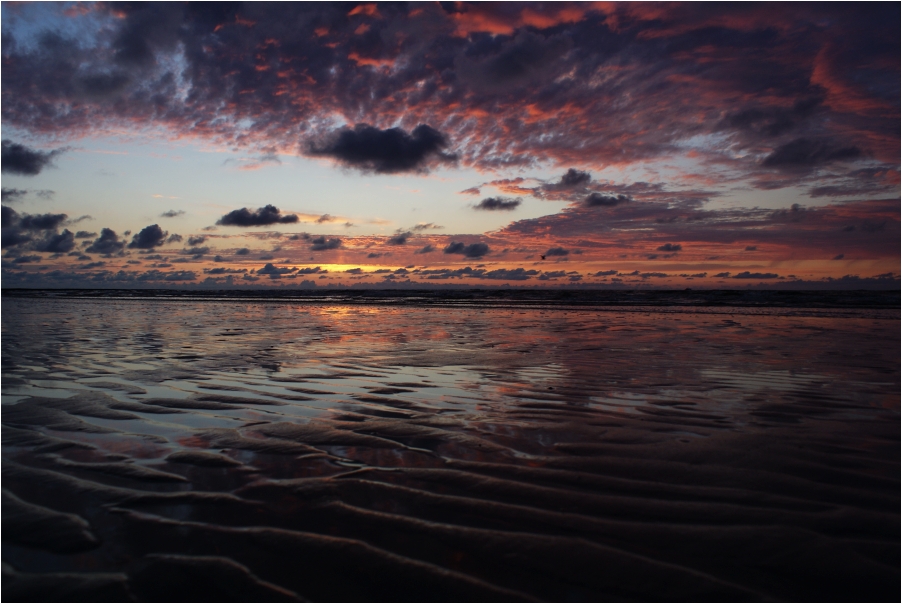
{"points": [[408, 144]]}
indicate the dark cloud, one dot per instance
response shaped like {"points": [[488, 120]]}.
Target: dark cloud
{"points": [[498, 203], [35, 231], [670, 247], [748, 275], [517, 274], [474, 250], [196, 240], [321, 243], [57, 243], [41, 222], [426, 249], [11, 195], [174, 238], [148, 238], [264, 216], [528, 58], [24, 259], [9, 217], [552, 275], [107, 243], [172, 213], [572, 179], [601, 200], [274, 272], [805, 153], [385, 151], [557, 251], [19, 159], [196, 252], [85, 235], [511, 86], [242, 251], [772, 121], [399, 238]]}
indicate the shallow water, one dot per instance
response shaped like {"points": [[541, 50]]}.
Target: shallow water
{"points": [[178, 449]]}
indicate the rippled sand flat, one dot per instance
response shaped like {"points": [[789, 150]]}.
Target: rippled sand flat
{"points": [[161, 449]]}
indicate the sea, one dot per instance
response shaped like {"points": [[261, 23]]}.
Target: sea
{"points": [[466, 445]]}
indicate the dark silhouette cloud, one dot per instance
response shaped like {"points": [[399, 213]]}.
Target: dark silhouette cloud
{"points": [[148, 238], [385, 151], [498, 203], [41, 222], [473, 250], [571, 179], [399, 238], [689, 72], [557, 251], [274, 272], [670, 247], [517, 274], [805, 153], [748, 275], [264, 216], [321, 243], [10, 217], [85, 235], [174, 238], [107, 243], [172, 213], [57, 243], [426, 249], [601, 200], [11, 195], [242, 251], [773, 121], [19, 159], [196, 252], [196, 239]]}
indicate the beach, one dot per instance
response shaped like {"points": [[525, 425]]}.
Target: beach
{"points": [[424, 448]]}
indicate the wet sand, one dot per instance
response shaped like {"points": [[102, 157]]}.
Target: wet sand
{"points": [[230, 450]]}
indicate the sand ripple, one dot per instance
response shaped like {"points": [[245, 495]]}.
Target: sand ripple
{"points": [[239, 450]]}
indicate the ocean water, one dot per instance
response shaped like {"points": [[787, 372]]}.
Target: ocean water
{"points": [[465, 446]]}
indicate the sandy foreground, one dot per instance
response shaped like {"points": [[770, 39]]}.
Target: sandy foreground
{"points": [[237, 450]]}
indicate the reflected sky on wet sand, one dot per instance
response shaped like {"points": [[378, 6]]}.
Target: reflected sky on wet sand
{"points": [[329, 451]]}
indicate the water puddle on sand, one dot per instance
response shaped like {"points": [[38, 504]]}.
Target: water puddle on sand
{"points": [[362, 452]]}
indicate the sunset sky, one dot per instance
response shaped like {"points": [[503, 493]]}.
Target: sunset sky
{"points": [[530, 144]]}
